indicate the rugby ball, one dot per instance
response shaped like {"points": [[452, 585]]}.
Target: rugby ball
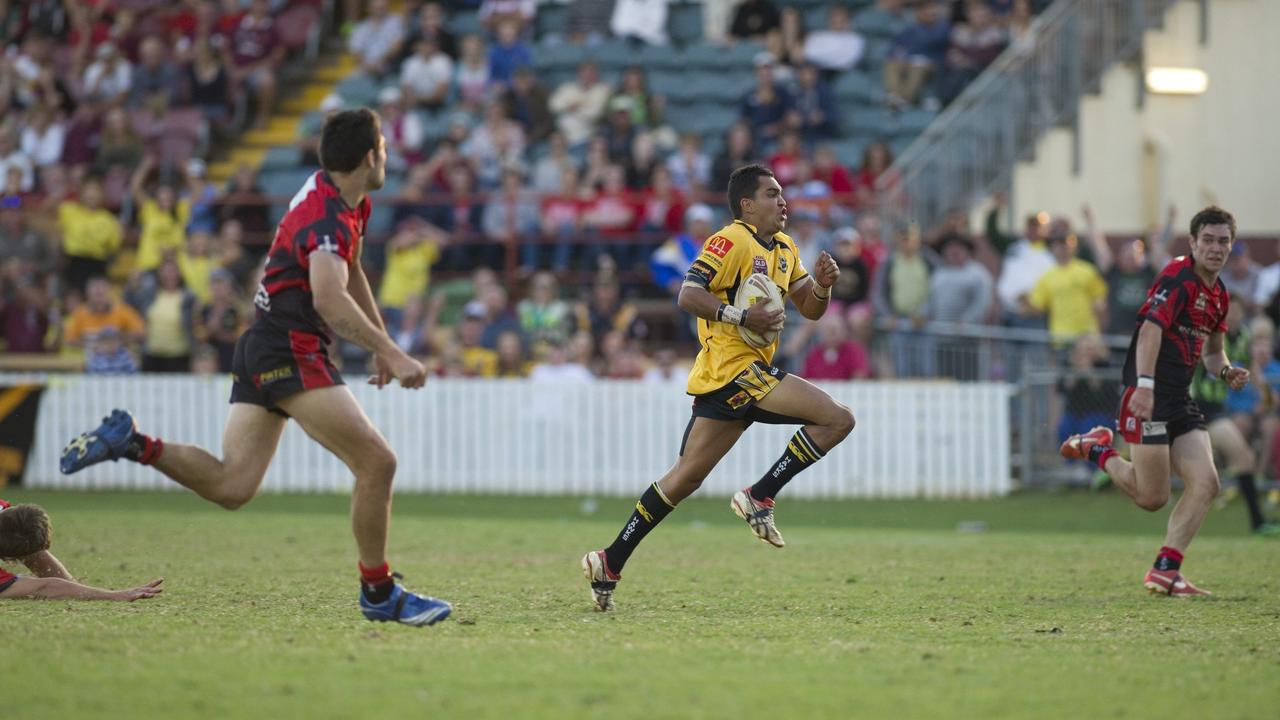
{"points": [[758, 288]]}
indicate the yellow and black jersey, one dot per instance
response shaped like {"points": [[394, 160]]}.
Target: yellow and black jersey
{"points": [[727, 259]]}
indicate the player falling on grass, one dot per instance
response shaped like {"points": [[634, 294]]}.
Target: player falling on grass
{"points": [[25, 536], [732, 383], [1182, 322], [313, 282]]}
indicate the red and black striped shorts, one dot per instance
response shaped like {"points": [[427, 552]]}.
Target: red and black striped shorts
{"points": [[271, 365]]}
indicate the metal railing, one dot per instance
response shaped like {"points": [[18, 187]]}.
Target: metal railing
{"points": [[971, 149]]}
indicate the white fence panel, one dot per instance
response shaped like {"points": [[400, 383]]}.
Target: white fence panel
{"points": [[519, 437]]}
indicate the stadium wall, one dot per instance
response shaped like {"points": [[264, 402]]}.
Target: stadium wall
{"points": [[1219, 147], [937, 440]]}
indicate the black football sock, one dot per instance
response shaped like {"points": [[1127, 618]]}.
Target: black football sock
{"points": [[801, 452], [143, 448], [650, 509], [1249, 489], [376, 583]]}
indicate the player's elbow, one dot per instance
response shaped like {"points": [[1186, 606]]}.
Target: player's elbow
{"points": [[685, 298]]}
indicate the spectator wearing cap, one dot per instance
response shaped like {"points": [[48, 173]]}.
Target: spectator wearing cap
{"points": [[836, 47], [477, 360], [255, 51], [155, 79], [766, 106], [508, 53], [91, 234], [426, 75], [1071, 292], [960, 291], [580, 103], [223, 318], [754, 19], [916, 53], [376, 39], [527, 102], [816, 105]]}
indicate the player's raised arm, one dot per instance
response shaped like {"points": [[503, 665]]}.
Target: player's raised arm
{"points": [[329, 275]]}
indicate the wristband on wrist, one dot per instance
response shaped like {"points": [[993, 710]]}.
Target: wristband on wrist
{"points": [[824, 295], [1146, 382], [1222, 374], [730, 314]]}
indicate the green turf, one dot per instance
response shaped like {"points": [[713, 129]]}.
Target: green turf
{"points": [[874, 609]]}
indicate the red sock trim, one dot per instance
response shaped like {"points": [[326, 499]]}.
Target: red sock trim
{"points": [[1172, 553], [1105, 456], [152, 451], [375, 576]]}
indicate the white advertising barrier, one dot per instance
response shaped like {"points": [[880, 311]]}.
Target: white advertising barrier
{"points": [[518, 437]]}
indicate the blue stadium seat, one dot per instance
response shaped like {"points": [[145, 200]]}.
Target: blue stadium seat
{"points": [[736, 58], [913, 122], [550, 20], [873, 23], [358, 89], [849, 150], [684, 22], [701, 56], [280, 157], [466, 23], [614, 54], [558, 55], [876, 53], [869, 121], [658, 57], [856, 87]]}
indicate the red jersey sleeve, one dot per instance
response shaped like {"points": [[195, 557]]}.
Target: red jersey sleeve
{"points": [[326, 235], [1166, 302], [1226, 305]]}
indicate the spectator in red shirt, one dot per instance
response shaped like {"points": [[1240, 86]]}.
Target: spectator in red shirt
{"points": [[613, 214], [254, 51], [837, 356], [783, 161], [876, 159], [827, 168], [662, 206], [561, 220], [25, 535]]}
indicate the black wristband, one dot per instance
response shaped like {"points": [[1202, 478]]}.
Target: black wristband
{"points": [[1222, 374]]}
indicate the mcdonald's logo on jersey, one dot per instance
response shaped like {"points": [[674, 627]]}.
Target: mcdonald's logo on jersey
{"points": [[719, 245]]}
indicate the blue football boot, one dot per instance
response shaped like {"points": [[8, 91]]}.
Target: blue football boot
{"points": [[108, 442], [406, 607]]}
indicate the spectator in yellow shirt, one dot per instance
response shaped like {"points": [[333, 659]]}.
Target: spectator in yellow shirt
{"points": [[90, 234], [410, 254], [477, 360], [163, 218], [1072, 293]]}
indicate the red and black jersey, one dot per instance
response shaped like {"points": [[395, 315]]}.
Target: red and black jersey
{"points": [[1189, 311], [5, 576], [318, 220]]}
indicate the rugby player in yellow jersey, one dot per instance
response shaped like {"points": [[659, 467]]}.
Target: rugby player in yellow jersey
{"points": [[732, 383]]}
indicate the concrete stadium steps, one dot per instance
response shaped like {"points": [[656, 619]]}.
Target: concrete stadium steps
{"points": [[282, 130]]}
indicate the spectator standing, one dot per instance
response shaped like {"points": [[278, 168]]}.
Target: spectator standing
{"points": [[222, 319], [960, 291], [1129, 272], [1026, 258], [900, 294], [411, 253], [169, 309], [837, 47], [1071, 292], [91, 234], [162, 216]]}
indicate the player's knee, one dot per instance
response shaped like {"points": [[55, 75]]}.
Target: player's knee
{"points": [[842, 421], [380, 465], [1208, 486], [233, 499], [1152, 500]]}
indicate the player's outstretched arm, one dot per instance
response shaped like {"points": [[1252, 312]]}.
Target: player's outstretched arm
{"points": [[45, 565], [1217, 364], [28, 588], [329, 275]]}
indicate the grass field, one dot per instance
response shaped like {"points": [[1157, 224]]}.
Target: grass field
{"points": [[874, 609]]}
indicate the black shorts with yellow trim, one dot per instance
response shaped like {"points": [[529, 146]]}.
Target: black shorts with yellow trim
{"points": [[270, 365], [737, 400]]}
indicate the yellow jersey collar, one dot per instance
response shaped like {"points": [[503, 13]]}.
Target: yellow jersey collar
{"points": [[767, 243]]}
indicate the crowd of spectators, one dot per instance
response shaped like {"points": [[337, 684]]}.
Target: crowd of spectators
{"points": [[578, 202]]}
